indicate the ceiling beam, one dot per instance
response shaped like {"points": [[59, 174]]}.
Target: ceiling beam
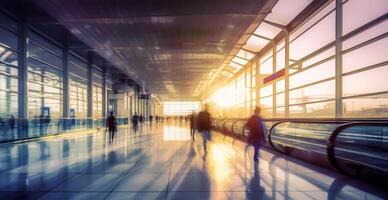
{"points": [[131, 19]]}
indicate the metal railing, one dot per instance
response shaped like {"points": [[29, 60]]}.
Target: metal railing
{"points": [[350, 145], [12, 129]]}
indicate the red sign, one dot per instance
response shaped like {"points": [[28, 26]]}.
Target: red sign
{"points": [[274, 76]]}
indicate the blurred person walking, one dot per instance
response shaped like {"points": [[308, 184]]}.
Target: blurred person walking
{"points": [[111, 125], [256, 134], [192, 125], [135, 122], [203, 126]]}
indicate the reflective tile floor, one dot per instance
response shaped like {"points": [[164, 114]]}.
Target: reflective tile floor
{"points": [[161, 162]]}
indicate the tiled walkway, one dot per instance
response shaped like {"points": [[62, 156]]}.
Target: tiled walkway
{"points": [[161, 162]]}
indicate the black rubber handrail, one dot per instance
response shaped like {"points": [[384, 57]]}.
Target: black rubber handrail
{"points": [[330, 149], [331, 143], [270, 133]]}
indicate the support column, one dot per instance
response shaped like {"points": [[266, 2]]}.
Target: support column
{"points": [[338, 59], [104, 95], [258, 84], [90, 89], [250, 88], [287, 78], [66, 84], [66, 88], [274, 83], [22, 81]]}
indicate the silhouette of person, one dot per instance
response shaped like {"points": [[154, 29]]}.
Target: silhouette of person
{"points": [[11, 122], [192, 125], [135, 122], [203, 125], [111, 125], [141, 119], [256, 132]]}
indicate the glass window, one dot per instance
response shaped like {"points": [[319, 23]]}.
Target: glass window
{"points": [[371, 81], [78, 96], [359, 12], [365, 56], [366, 35], [8, 23], [45, 80], [375, 106], [267, 30], [318, 92], [239, 61], [319, 35], [78, 67], [266, 67], [44, 43], [280, 86], [245, 54], [319, 57], [97, 101], [8, 56], [265, 91], [280, 99], [8, 68], [280, 112], [315, 18], [284, 11], [314, 74], [280, 59], [255, 43], [266, 102], [8, 39], [181, 108], [43, 55], [313, 110]]}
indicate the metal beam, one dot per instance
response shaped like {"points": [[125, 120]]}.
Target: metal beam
{"points": [[104, 94], [90, 86], [262, 37], [66, 83], [252, 52], [276, 25], [287, 77], [338, 59], [237, 63], [242, 58]]}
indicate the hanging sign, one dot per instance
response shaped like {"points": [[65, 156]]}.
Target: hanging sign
{"points": [[274, 76]]}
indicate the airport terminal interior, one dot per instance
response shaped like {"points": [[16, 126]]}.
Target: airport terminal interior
{"points": [[151, 99]]}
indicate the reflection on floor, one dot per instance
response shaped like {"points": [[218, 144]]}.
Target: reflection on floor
{"points": [[161, 162]]}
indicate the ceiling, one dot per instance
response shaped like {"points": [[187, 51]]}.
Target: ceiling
{"points": [[171, 45]]}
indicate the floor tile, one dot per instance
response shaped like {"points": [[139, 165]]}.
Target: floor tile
{"points": [[74, 196], [91, 182], [143, 182], [137, 196]]}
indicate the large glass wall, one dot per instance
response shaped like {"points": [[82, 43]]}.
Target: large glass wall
{"points": [[181, 107], [45, 77], [312, 80], [365, 59], [9, 53], [78, 87], [97, 92]]}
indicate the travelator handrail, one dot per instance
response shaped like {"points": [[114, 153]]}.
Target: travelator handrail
{"points": [[332, 139], [270, 130]]}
